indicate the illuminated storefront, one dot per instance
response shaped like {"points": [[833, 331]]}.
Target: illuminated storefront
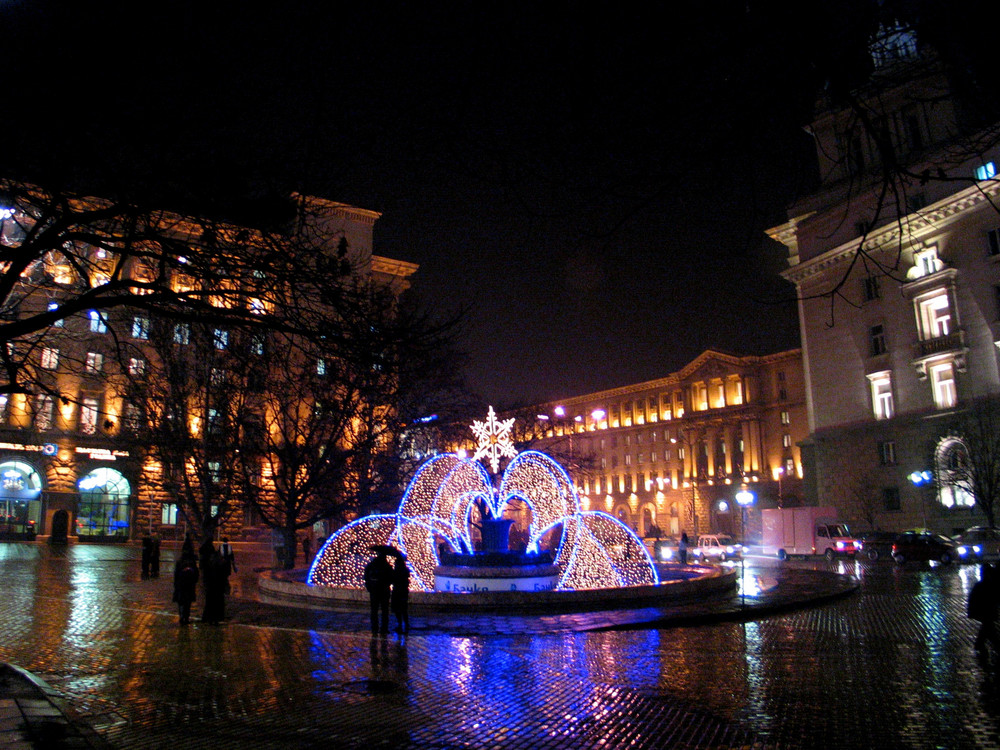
{"points": [[20, 500]]}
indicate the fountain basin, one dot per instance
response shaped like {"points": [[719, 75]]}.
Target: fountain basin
{"points": [[678, 584], [470, 579]]}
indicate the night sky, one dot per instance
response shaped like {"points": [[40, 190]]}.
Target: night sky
{"points": [[592, 189]]}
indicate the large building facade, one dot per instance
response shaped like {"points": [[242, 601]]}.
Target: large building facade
{"points": [[669, 455], [68, 464], [898, 276]]}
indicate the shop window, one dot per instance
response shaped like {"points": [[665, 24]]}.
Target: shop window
{"points": [[104, 505]]}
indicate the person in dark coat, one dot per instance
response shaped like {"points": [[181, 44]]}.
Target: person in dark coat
{"points": [[984, 603], [682, 548], [154, 557], [147, 555], [228, 559], [185, 583], [401, 594], [215, 576], [378, 581]]}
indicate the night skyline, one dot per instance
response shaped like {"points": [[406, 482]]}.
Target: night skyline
{"points": [[593, 192]]}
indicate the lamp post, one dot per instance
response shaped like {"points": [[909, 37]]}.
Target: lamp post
{"points": [[922, 479], [745, 499], [781, 473]]}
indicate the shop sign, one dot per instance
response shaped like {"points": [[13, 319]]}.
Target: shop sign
{"points": [[102, 454]]}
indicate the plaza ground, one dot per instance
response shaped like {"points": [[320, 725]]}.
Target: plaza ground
{"points": [[890, 665]]}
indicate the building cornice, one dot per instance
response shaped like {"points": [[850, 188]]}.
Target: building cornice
{"points": [[912, 226]]}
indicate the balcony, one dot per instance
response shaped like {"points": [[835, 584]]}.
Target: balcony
{"points": [[953, 342]]}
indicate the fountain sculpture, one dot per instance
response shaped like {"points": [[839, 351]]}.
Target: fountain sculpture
{"points": [[451, 526]]}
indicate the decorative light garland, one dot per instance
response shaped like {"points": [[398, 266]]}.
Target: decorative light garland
{"points": [[595, 550]]}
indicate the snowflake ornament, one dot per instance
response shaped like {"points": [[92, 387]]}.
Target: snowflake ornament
{"points": [[494, 439]]}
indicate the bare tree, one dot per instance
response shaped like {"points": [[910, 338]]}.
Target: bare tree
{"points": [[67, 255]]}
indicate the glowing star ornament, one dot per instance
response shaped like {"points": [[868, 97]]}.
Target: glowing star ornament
{"points": [[494, 439]]}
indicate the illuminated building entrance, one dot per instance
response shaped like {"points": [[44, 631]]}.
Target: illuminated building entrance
{"points": [[20, 500], [104, 506]]}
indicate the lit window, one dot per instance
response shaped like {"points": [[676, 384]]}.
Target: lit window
{"points": [[4, 401], [786, 440], [786, 418], [51, 308], [97, 322], [88, 416], [935, 316], [168, 514], [50, 358], [215, 472], [986, 172], [257, 343], [943, 385], [738, 397], [321, 366], [881, 385], [95, 362], [43, 411], [140, 327], [136, 366], [925, 262], [182, 334], [220, 338]]}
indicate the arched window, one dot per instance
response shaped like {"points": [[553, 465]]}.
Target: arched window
{"points": [[951, 460], [104, 508]]}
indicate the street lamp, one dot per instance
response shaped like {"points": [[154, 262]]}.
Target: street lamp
{"points": [[922, 479], [745, 499], [781, 473]]}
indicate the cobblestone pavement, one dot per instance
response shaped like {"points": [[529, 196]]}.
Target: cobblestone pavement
{"points": [[891, 667]]}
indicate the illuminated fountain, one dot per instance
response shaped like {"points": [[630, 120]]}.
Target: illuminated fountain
{"points": [[450, 524]]}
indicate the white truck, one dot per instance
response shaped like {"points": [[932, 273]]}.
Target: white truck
{"points": [[806, 531]]}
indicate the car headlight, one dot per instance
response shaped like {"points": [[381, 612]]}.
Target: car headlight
{"points": [[840, 545], [978, 549], [962, 551]]}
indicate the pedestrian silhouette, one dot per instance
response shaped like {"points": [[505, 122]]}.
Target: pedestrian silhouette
{"points": [[216, 577], [147, 555], [378, 581], [307, 550], [228, 559], [154, 557], [984, 601], [682, 548], [185, 583], [401, 594]]}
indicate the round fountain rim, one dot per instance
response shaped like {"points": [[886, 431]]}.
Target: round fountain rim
{"points": [[285, 587]]}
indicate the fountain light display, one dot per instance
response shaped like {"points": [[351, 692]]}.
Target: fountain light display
{"points": [[593, 550]]}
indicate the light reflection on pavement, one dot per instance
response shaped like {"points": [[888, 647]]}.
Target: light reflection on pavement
{"points": [[892, 667]]}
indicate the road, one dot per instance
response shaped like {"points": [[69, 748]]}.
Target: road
{"points": [[891, 666]]}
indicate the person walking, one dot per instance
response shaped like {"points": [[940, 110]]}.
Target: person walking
{"points": [[214, 571], [378, 581], [228, 562], [400, 599], [185, 583], [154, 557], [682, 548], [984, 601], [147, 555]]}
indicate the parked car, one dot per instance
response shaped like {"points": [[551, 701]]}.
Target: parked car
{"points": [[978, 544], [922, 545], [877, 545], [719, 547]]}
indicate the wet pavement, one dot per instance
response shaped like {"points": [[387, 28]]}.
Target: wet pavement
{"points": [[890, 665]]}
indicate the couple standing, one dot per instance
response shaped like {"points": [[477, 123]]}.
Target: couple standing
{"points": [[388, 585]]}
